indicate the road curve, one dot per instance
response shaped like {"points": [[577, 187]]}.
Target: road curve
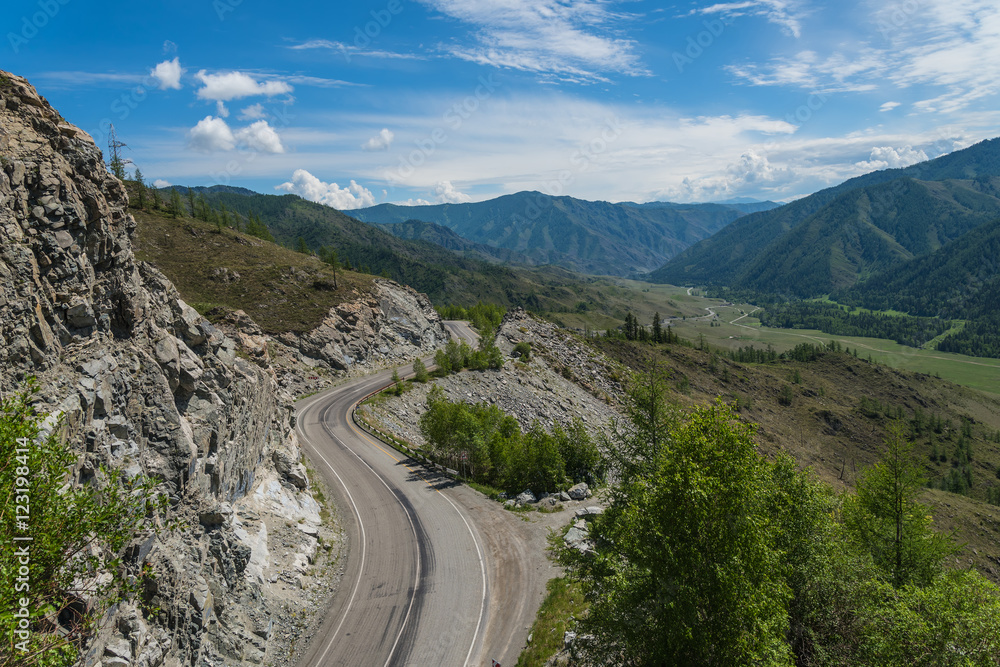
{"points": [[424, 555]]}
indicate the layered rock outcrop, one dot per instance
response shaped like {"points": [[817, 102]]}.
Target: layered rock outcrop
{"points": [[144, 383], [394, 322]]}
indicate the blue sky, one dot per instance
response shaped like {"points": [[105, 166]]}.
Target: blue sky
{"points": [[417, 101]]}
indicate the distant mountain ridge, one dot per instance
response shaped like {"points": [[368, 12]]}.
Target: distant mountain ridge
{"points": [[837, 237], [591, 237], [959, 280], [747, 206], [419, 230]]}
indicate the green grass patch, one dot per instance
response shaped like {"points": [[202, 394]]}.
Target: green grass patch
{"points": [[563, 603], [280, 289], [980, 373], [485, 489]]}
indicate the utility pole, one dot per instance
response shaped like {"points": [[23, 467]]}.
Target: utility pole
{"points": [[115, 162]]}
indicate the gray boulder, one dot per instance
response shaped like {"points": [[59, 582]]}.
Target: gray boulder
{"points": [[526, 497], [579, 492]]}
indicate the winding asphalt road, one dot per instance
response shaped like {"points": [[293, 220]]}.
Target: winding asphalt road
{"points": [[435, 574]]}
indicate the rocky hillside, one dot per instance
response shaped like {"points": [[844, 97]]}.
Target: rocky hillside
{"points": [[562, 381], [145, 383]]}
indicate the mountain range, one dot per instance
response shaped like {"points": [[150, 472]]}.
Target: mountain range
{"points": [[590, 237], [838, 237]]}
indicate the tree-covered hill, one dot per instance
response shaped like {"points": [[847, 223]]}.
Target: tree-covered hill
{"points": [[849, 230], [960, 280], [867, 230], [418, 230], [592, 237]]}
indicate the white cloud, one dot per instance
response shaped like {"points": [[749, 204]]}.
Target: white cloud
{"points": [[253, 112], [261, 137], [236, 85], [946, 44], [321, 82], [447, 194], [935, 48], [211, 134], [414, 202], [887, 157], [575, 150], [160, 183], [168, 74], [214, 134], [786, 13], [350, 51], [751, 173], [380, 142], [572, 39], [835, 73], [73, 78], [888, 106], [309, 187]]}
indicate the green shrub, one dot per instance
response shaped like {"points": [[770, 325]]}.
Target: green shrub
{"points": [[75, 532]]}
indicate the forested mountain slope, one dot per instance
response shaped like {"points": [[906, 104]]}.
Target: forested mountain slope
{"points": [[592, 237], [850, 230]]}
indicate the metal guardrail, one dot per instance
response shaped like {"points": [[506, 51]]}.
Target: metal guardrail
{"points": [[396, 443]]}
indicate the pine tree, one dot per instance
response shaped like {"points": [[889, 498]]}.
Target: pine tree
{"points": [[176, 205], [140, 190], [203, 209], [657, 328], [885, 516], [329, 256]]}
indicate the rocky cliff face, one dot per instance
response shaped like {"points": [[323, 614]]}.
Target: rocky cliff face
{"points": [[143, 382], [392, 325]]}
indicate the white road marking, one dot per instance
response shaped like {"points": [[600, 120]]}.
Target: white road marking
{"points": [[361, 569]]}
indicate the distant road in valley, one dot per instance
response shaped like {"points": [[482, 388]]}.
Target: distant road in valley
{"points": [[434, 572]]}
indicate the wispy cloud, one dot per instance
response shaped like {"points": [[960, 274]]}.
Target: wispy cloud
{"points": [[659, 152], [575, 39], [352, 51], [835, 73], [72, 79], [320, 82], [785, 13], [939, 52]]}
